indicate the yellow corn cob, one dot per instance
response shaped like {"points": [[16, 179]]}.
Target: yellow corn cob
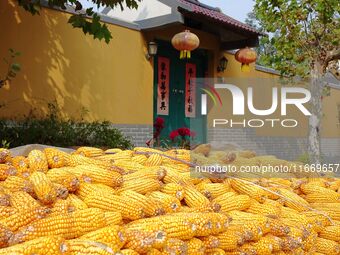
{"points": [[69, 225], [127, 166], [309, 241], [168, 202], [174, 190], [314, 186], [267, 208], [142, 186], [4, 199], [89, 151], [61, 206], [114, 150], [215, 251], [56, 158], [23, 217], [252, 228], [113, 218], [317, 220], [49, 245], [96, 174], [277, 228], [6, 170], [61, 191], [249, 189], [331, 233], [5, 155], [235, 202], [5, 235], [140, 159], [143, 240], [112, 236], [175, 247], [294, 217], [154, 160], [122, 155], [43, 188], [195, 246], [331, 209], [213, 190], [76, 203], [37, 161], [86, 189], [293, 200], [327, 246], [6, 211], [146, 149], [174, 176], [128, 252], [275, 242], [324, 197], [231, 240], [65, 177], [193, 198], [127, 207], [210, 242], [245, 217], [84, 247], [15, 183], [21, 200], [150, 205], [157, 173], [77, 160], [21, 164]]}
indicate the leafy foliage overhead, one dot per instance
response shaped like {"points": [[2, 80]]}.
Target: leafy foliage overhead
{"points": [[304, 32], [80, 19]]}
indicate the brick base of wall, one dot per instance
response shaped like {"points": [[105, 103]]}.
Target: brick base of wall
{"points": [[289, 148], [138, 134]]}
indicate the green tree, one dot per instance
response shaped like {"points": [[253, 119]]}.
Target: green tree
{"points": [[306, 43], [81, 17]]}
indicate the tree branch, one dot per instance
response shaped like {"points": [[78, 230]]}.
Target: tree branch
{"points": [[332, 55]]}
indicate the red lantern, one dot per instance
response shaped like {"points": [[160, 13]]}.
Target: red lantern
{"points": [[245, 56], [185, 42]]}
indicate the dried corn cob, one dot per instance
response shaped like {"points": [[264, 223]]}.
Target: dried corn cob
{"points": [[235, 202], [327, 246], [127, 207], [115, 150], [213, 190], [49, 245], [113, 218], [331, 233], [23, 217], [112, 236], [84, 247], [128, 166], [76, 203], [157, 173], [89, 151], [43, 188], [230, 240], [168, 202], [96, 174], [65, 177], [331, 209], [195, 246], [78, 160], [210, 242], [5, 155], [86, 189], [154, 160], [324, 197], [15, 183], [215, 251], [37, 161], [249, 189], [267, 208], [143, 240], [128, 252], [175, 246], [61, 206], [5, 235], [174, 190], [4, 198], [141, 186], [69, 225], [21, 164], [6, 170], [140, 159], [153, 251], [150, 206], [293, 200], [6, 211], [21, 200], [56, 158], [61, 191], [193, 198]]}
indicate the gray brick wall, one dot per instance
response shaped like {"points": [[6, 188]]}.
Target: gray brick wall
{"points": [[139, 134], [289, 148]]}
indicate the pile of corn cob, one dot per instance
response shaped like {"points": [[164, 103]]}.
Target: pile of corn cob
{"points": [[144, 201]]}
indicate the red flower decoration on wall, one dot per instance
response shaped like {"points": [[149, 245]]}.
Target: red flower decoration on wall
{"points": [[183, 132]]}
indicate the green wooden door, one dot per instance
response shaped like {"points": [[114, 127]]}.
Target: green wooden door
{"points": [[177, 79]]}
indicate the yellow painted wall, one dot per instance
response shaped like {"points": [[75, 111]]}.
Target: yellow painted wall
{"points": [[114, 82]]}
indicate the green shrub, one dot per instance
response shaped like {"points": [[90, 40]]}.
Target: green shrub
{"points": [[53, 130]]}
